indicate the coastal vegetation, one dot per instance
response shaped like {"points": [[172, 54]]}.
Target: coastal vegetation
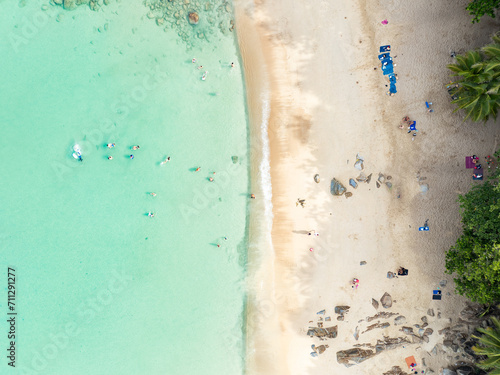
{"points": [[489, 346], [477, 84], [475, 257], [479, 8]]}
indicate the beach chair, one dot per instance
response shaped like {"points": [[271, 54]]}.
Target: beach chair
{"points": [[385, 48], [413, 125]]}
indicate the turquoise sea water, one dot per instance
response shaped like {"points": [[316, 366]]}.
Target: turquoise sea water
{"points": [[101, 287]]}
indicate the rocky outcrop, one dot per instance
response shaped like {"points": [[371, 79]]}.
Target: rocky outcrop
{"points": [[353, 356], [323, 333]]}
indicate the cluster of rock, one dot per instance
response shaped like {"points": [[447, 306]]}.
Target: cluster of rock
{"points": [[322, 333], [458, 341], [337, 188], [191, 18]]}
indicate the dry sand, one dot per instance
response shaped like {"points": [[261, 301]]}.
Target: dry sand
{"points": [[327, 103]]}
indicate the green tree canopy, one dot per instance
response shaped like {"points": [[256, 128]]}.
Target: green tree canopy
{"points": [[478, 8], [475, 258], [477, 84], [489, 346]]}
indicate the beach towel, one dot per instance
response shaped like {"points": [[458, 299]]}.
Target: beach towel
{"points": [[392, 89], [384, 56], [388, 69], [392, 78], [427, 104], [424, 229], [413, 125], [468, 162], [410, 360], [385, 48], [387, 60], [477, 178], [436, 294]]}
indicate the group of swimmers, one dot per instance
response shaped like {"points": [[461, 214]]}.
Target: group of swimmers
{"points": [[112, 145]]}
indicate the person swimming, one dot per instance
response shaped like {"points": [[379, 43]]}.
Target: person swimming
{"points": [[165, 161], [135, 147], [110, 145]]}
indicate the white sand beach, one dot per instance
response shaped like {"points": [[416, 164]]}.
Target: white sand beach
{"points": [[327, 103]]}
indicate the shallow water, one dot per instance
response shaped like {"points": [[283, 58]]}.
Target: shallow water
{"points": [[103, 288]]}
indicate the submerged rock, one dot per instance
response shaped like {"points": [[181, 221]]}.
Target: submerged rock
{"points": [[194, 18], [234, 159], [69, 4]]}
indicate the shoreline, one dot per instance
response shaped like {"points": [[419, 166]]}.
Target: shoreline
{"points": [[328, 103]]}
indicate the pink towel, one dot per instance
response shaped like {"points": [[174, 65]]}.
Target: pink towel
{"points": [[385, 22], [468, 162]]}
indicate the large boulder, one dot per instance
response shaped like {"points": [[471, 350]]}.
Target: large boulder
{"points": [[341, 309], [336, 188], [386, 300]]}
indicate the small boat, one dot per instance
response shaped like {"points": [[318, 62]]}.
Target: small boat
{"points": [[204, 76], [77, 154]]}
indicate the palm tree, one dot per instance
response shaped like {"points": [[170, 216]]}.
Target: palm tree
{"points": [[477, 89], [489, 345]]}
